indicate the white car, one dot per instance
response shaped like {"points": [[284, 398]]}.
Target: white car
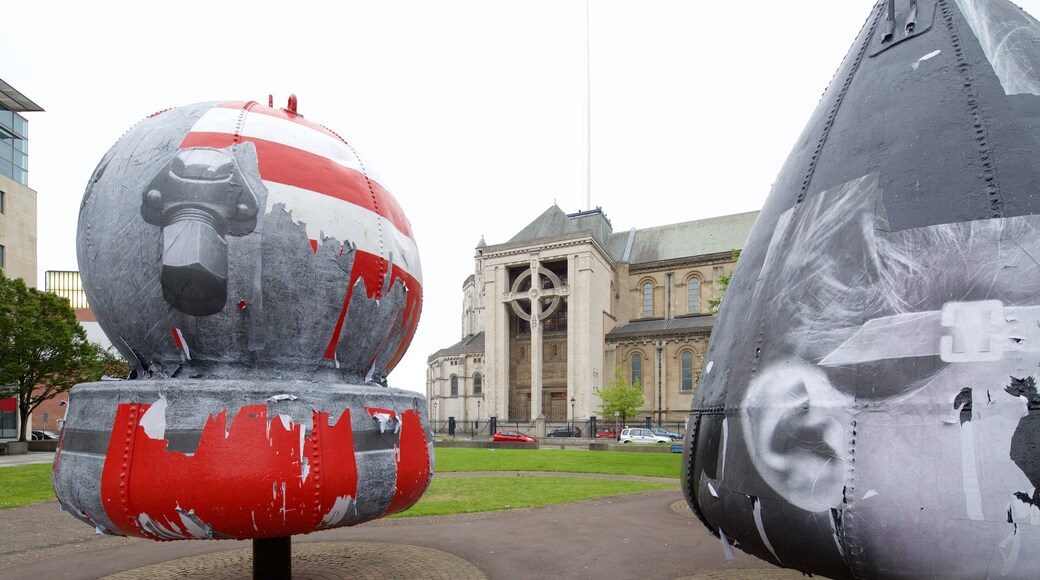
{"points": [[638, 435]]}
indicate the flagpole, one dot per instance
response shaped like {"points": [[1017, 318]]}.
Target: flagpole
{"points": [[587, 166]]}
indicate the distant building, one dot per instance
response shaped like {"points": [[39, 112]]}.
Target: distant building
{"points": [[636, 299], [17, 211], [17, 200], [67, 284]]}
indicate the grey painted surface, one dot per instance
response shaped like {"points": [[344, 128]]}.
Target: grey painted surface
{"points": [[868, 406]]}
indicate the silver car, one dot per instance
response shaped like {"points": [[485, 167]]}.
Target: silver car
{"points": [[640, 435]]}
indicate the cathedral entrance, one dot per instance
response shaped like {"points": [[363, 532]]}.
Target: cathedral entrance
{"points": [[538, 341]]}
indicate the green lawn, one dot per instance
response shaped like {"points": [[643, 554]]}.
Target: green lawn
{"points": [[459, 495], [614, 463], [25, 484]]}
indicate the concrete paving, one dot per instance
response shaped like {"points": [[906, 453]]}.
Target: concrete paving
{"points": [[31, 458], [645, 535]]}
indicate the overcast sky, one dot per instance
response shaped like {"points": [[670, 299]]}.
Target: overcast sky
{"points": [[470, 112]]}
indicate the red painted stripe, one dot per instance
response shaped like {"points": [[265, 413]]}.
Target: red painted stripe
{"points": [[372, 269], [410, 316], [177, 338], [263, 496], [281, 114], [9, 404], [413, 464], [291, 166]]}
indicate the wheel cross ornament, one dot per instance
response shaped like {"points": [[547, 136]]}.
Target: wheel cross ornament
{"points": [[535, 295]]}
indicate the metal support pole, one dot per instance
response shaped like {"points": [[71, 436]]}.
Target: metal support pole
{"points": [[272, 558]]}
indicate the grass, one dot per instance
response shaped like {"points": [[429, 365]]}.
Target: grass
{"points": [[646, 464], [28, 484], [25, 484], [460, 495]]}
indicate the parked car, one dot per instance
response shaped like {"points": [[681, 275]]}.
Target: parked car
{"points": [[606, 434], [642, 435], [514, 436], [666, 433], [38, 435], [564, 432]]}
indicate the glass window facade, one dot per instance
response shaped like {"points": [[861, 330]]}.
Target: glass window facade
{"points": [[454, 386], [478, 384], [648, 299], [637, 369], [14, 146], [695, 295], [687, 370], [8, 424], [68, 285]]}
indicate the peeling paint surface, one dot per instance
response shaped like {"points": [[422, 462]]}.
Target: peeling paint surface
{"points": [[262, 283], [299, 247], [871, 386], [227, 483]]}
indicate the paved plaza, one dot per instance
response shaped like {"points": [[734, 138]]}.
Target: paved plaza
{"points": [[645, 535]]}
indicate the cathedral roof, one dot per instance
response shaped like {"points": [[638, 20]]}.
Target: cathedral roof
{"points": [[472, 344], [553, 222], [696, 324], [694, 238]]}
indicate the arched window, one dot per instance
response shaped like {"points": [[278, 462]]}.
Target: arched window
{"points": [[478, 384], [637, 369], [648, 299], [454, 386], [694, 287], [687, 370]]}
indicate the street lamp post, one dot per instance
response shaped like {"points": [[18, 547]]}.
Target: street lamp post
{"points": [[572, 413], [477, 424]]}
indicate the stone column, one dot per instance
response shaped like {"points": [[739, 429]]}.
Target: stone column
{"points": [[536, 341]]}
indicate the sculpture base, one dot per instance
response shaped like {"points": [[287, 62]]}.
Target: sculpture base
{"points": [[229, 459]]}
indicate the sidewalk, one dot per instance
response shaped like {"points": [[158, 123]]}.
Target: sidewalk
{"points": [[31, 458], [645, 535]]}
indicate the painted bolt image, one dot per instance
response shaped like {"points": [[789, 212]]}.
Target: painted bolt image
{"points": [[198, 199]]}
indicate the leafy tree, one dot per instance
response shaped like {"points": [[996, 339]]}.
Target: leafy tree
{"points": [[621, 396], [723, 282], [43, 350]]}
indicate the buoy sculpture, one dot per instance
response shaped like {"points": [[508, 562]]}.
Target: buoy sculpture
{"points": [[868, 406], [262, 284]]}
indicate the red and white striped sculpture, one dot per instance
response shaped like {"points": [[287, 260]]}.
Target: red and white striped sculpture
{"points": [[262, 284]]}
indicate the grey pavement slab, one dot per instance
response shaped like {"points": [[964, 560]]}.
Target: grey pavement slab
{"points": [[646, 535], [31, 458]]}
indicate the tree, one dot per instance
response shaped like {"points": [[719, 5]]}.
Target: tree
{"points": [[622, 397], [43, 350], [723, 282]]}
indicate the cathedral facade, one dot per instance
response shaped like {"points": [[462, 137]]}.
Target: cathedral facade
{"points": [[551, 313]]}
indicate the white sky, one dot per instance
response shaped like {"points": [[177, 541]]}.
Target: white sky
{"points": [[470, 112]]}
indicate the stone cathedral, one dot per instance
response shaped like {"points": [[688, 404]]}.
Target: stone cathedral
{"points": [[549, 314]]}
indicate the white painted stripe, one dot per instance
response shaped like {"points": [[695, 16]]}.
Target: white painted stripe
{"points": [[184, 343], [969, 474], [722, 449], [762, 530], [346, 222], [279, 130], [726, 548]]}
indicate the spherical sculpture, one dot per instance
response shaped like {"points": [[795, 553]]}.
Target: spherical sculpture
{"points": [[262, 284], [224, 239]]}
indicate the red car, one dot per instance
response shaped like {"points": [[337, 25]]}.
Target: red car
{"points": [[514, 436], [606, 434]]}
